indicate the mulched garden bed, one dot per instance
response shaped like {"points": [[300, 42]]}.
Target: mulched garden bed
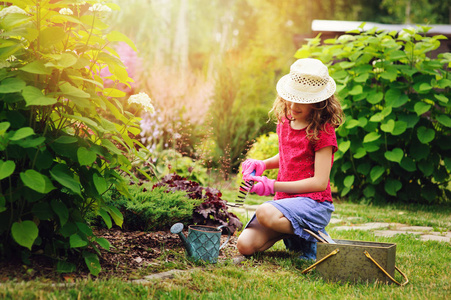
{"points": [[134, 254]]}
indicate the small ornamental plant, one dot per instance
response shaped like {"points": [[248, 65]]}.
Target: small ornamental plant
{"points": [[59, 154], [211, 211], [395, 144]]}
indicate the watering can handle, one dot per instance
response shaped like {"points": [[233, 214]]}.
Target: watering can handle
{"points": [[228, 237]]}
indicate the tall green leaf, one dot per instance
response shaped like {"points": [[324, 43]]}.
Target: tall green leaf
{"points": [[100, 183], [36, 181], [34, 96], [116, 215], [376, 172], [63, 175], [36, 67], [92, 261], [12, 85], [444, 120], [22, 133], [421, 108], [106, 217], [85, 156], [61, 211], [6, 168], [51, 36], [371, 137], [70, 90], [400, 128], [76, 241], [24, 233], [395, 155], [392, 186], [425, 135], [388, 126]]}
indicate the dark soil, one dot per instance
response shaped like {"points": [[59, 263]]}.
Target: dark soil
{"points": [[133, 255]]}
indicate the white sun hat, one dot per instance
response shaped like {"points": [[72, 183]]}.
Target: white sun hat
{"points": [[308, 82]]}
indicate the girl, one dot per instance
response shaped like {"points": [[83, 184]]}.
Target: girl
{"points": [[307, 113]]}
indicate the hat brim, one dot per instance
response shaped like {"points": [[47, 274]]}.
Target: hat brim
{"points": [[288, 93]]}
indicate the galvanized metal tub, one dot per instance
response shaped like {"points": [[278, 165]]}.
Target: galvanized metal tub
{"points": [[357, 261]]}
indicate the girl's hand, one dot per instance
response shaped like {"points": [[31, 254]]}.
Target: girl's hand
{"points": [[250, 165], [264, 186]]}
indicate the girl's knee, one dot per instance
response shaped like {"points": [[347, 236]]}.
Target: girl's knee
{"points": [[245, 247], [265, 214]]}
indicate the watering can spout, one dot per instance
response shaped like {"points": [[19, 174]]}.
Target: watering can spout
{"points": [[178, 228]]}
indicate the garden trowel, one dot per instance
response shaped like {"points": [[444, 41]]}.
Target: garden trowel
{"points": [[326, 237]]}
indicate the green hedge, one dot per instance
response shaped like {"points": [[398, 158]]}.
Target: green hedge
{"points": [[395, 143]]}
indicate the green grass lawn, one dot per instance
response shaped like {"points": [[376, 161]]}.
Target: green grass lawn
{"points": [[276, 273]]}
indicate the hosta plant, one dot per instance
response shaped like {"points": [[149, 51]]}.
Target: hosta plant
{"points": [[58, 153], [395, 144]]}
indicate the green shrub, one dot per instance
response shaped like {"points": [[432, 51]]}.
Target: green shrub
{"points": [[171, 161], [163, 162], [59, 154], [266, 146], [155, 209], [395, 144]]}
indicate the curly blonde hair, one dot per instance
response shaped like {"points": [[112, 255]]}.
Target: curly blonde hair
{"points": [[328, 111]]}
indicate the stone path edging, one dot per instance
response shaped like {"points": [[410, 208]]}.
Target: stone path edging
{"points": [[425, 233]]}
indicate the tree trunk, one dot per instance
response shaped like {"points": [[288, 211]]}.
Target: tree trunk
{"points": [[408, 9], [181, 42]]}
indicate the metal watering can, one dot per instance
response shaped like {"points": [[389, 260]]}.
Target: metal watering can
{"points": [[202, 242]]}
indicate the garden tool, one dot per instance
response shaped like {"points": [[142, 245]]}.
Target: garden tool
{"points": [[315, 235], [202, 242], [326, 237], [245, 187]]}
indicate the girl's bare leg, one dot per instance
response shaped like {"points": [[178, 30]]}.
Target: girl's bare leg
{"points": [[256, 238], [271, 227], [270, 217]]}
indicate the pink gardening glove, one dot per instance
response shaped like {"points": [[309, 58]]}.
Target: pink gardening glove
{"points": [[263, 187], [250, 165]]}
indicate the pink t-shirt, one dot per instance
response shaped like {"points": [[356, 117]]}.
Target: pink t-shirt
{"points": [[297, 157]]}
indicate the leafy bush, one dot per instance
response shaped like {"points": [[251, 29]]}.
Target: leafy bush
{"points": [[157, 209], [164, 162], [395, 143], [266, 146], [59, 154], [213, 211], [171, 161]]}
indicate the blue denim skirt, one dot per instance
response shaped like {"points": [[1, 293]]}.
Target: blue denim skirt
{"points": [[303, 212]]}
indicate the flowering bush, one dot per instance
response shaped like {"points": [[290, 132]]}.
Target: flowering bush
{"points": [[59, 154], [143, 100], [132, 63], [181, 109]]}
